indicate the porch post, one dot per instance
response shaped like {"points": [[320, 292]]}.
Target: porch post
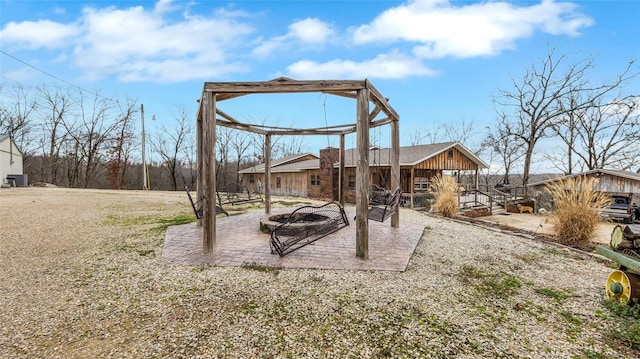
{"points": [[412, 185]]}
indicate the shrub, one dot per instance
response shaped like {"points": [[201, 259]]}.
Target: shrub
{"points": [[576, 216], [446, 193]]}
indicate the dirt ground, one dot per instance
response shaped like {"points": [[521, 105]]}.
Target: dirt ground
{"points": [[81, 276], [538, 224]]}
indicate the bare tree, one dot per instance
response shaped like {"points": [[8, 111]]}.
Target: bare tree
{"points": [[121, 146], [56, 105], [608, 135], [240, 142], [16, 120], [224, 136], [501, 142], [462, 132], [288, 146], [170, 145], [91, 131], [541, 98]]}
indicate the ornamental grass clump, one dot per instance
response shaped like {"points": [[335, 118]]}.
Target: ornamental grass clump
{"points": [[446, 193], [576, 216]]}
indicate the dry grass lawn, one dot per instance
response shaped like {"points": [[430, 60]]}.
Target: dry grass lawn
{"points": [[81, 277]]}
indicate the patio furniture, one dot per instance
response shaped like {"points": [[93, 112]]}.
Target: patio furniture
{"points": [[197, 206], [233, 193], [379, 212], [306, 225]]}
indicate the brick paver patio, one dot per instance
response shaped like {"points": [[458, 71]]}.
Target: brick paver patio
{"points": [[239, 241]]}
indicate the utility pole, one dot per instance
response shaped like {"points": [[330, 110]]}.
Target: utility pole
{"points": [[144, 160]]}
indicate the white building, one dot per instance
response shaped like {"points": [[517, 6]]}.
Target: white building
{"points": [[10, 159]]}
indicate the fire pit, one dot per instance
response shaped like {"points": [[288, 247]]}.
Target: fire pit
{"points": [[298, 222]]}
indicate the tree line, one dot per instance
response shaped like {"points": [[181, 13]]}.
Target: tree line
{"points": [[73, 138]]}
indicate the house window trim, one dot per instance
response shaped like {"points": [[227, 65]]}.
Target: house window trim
{"points": [[314, 180], [421, 184], [351, 184]]}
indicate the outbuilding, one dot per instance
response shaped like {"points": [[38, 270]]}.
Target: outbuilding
{"points": [[610, 181], [11, 169]]}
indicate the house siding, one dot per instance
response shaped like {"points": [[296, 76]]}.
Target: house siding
{"points": [[10, 160], [451, 159], [610, 184]]}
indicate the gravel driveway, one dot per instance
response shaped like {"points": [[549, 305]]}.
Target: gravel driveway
{"points": [[80, 277]]}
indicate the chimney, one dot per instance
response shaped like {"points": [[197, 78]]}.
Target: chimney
{"points": [[328, 157]]}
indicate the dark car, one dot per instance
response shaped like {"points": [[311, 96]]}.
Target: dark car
{"points": [[621, 209], [503, 187]]}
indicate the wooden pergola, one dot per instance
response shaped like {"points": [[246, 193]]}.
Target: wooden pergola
{"points": [[372, 110]]}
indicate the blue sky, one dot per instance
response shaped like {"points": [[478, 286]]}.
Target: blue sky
{"points": [[437, 61]]}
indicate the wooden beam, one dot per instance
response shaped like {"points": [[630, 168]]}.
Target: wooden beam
{"points": [[306, 132], [225, 116], [374, 113], [241, 126], [341, 181], [267, 174], [228, 96], [284, 86], [349, 94], [362, 175], [209, 235], [199, 164], [379, 100], [381, 122], [395, 166]]}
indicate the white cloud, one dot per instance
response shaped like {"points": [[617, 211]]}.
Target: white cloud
{"points": [[307, 32], [310, 31], [441, 29], [139, 44], [388, 66], [164, 6], [37, 34]]}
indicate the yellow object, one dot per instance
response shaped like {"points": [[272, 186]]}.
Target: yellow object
{"points": [[623, 286]]}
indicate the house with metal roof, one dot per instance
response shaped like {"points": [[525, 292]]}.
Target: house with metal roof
{"points": [[11, 170], [318, 177], [610, 181]]}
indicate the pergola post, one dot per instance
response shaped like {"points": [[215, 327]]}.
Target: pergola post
{"points": [[341, 184], [209, 236], [199, 174], [362, 174], [267, 174], [395, 165]]}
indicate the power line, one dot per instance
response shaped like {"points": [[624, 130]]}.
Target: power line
{"points": [[51, 75]]}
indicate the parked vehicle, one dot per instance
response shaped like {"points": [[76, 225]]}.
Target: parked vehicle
{"points": [[621, 209], [503, 187]]}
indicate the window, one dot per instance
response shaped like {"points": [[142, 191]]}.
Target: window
{"points": [[252, 179], [351, 181], [421, 183], [315, 180], [278, 182], [450, 154]]}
